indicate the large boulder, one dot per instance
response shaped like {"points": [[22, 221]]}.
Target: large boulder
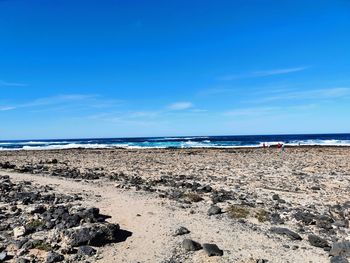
{"points": [[96, 234]]}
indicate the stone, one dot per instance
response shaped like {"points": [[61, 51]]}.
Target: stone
{"points": [[22, 260], [181, 231], [275, 197], [54, 257], [212, 250], [305, 217], [286, 232], [262, 260], [214, 210], [275, 218], [339, 259], [3, 256], [19, 231], [315, 188], [96, 234], [86, 251], [316, 241], [340, 249], [190, 245]]}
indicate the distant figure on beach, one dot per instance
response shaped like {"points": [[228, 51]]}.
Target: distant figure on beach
{"points": [[279, 145]]}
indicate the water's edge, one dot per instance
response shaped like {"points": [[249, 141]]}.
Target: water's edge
{"points": [[252, 141]]}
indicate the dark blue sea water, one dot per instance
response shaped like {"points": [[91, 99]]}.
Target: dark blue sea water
{"points": [[182, 142]]}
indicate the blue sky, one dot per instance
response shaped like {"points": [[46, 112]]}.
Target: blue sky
{"points": [[151, 68]]}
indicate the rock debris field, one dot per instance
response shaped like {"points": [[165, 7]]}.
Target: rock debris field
{"points": [[175, 205]]}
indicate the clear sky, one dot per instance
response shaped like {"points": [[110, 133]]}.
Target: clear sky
{"points": [[113, 68]]}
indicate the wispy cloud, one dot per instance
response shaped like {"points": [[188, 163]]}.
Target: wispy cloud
{"points": [[263, 73], [184, 105], [11, 84], [317, 94], [6, 108], [259, 111], [65, 100]]}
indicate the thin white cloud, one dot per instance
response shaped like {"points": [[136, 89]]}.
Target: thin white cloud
{"points": [[317, 94], [259, 111], [251, 111], [6, 108], [263, 73], [184, 105], [11, 84], [66, 100]]}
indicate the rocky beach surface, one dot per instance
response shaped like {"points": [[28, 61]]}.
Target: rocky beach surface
{"points": [[175, 205]]}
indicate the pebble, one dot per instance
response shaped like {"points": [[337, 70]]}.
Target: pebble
{"points": [[212, 250], [339, 259], [214, 210], [3, 255], [19, 231], [340, 249], [54, 257], [181, 231], [86, 251], [316, 241], [286, 232], [190, 245]]}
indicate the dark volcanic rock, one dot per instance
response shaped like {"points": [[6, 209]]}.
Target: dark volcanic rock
{"points": [[86, 251], [340, 249], [275, 218], [305, 217], [7, 165], [214, 210], [22, 260], [286, 232], [181, 231], [54, 257], [94, 234], [275, 197], [316, 241], [190, 245], [339, 259], [212, 250]]}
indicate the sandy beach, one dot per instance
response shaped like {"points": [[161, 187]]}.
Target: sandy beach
{"points": [[256, 205]]}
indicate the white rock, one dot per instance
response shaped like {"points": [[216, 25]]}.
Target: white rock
{"points": [[19, 231]]}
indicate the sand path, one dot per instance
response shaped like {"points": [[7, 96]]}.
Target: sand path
{"points": [[153, 220]]}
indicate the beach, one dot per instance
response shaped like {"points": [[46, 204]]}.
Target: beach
{"points": [[255, 204]]}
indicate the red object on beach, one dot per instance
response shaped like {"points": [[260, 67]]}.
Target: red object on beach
{"points": [[279, 146]]}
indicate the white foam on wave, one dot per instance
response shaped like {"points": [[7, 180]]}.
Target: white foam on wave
{"points": [[65, 146], [55, 145]]}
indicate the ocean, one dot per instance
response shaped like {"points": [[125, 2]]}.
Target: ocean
{"points": [[182, 142]]}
